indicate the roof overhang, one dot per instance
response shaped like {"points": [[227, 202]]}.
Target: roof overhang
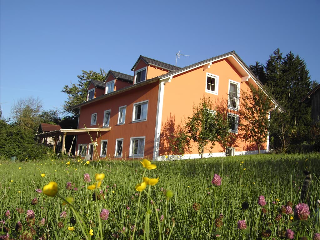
{"points": [[72, 132]]}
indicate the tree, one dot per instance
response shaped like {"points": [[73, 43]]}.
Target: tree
{"points": [[254, 114], [50, 116], [77, 93]]}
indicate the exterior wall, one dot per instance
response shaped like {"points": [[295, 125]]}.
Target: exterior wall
{"points": [[97, 92], [129, 128], [155, 72], [186, 90], [118, 83]]}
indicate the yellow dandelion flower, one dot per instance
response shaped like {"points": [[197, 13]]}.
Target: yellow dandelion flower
{"points": [[11, 181], [68, 163], [19, 168], [43, 175], [87, 162], [112, 191], [99, 184], [151, 181], [291, 217], [92, 187], [99, 176], [91, 232], [71, 228], [19, 191], [244, 169], [147, 164], [141, 186], [51, 189]]}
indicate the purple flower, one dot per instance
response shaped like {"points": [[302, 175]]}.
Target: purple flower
{"points": [[34, 201], [38, 190], [301, 211], [216, 180], [86, 177], [63, 214], [5, 237], [289, 234], [242, 224], [316, 236], [75, 189], [161, 218], [289, 210], [104, 215], [69, 186], [262, 201], [30, 214], [7, 213], [42, 222]]}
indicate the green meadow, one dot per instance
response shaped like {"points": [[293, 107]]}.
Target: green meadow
{"points": [[183, 204]]}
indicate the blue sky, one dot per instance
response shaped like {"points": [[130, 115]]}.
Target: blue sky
{"points": [[46, 44]]}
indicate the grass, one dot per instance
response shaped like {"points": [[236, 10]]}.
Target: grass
{"points": [[197, 209]]}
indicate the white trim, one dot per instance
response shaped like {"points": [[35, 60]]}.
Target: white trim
{"points": [[268, 136], [237, 122], [125, 113], [109, 84], [91, 122], [216, 83], [158, 120], [116, 148], [134, 111], [130, 149], [101, 145], [82, 145], [135, 75], [104, 115], [238, 95], [91, 90]]}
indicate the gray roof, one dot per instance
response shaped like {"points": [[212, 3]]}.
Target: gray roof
{"points": [[156, 63], [120, 76], [98, 84]]}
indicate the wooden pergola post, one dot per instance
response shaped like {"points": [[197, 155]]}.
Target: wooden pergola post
{"points": [[63, 151]]}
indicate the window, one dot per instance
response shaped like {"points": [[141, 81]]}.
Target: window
{"points": [[91, 151], [93, 119], [82, 150], [234, 92], [106, 118], [122, 115], [233, 121], [140, 111], [119, 146], [141, 75], [212, 84], [110, 87], [104, 145], [137, 147], [90, 94]]}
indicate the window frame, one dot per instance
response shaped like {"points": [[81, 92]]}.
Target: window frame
{"points": [[104, 116], [216, 84], [82, 145], [134, 111], [125, 111], [101, 148], [89, 91], [237, 98], [236, 122], [136, 75], [116, 148], [91, 122], [131, 151], [108, 85]]}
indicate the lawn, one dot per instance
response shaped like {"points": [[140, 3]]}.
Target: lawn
{"points": [[259, 198]]}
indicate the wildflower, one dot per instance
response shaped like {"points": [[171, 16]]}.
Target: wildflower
{"points": [[86, 177], [30, 214], [38, 190], [60, 225], [91, 232], [87, 162], [68, 163], [301, 211], [69, 186], [244, 169], [34, 201], [242, 224], [216, 180], [147, 164], [63, 214], [291, 218], [18, 227], [75, 189], [19, 168], [316, 236], [43, 175], [278, 217], [99, 176], [141, 186], [42, 222], [288, 210], [51, 189], [104, 215], [71, 228], [196, 206], [151, 181], [161, 218], [289, 234], [262, 201], [11, 181], [92, 187]]}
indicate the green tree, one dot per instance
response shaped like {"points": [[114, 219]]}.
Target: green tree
{"points": [[77, 92], [254, 113]]}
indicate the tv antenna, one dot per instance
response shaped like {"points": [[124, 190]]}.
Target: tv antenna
{"points": [[178, 55]]}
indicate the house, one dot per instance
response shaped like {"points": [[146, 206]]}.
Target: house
{"points": [[136, 109], [313, 100], [46, 138]]}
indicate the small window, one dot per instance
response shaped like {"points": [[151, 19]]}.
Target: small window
{"points": [[93, 119], [119, 146], [140, 111], [91, 151], [137, 147], [212, 83], [90, 94], [122, 115], [82, 150], [110, 87], [106, 118], [233, 121], [104, 145], [141, 75], [234, 92]]}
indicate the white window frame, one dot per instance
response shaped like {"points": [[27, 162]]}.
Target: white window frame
{"points": [[136, 73], [119, 115], [104, 118], [238, 96], [92, 118], [216, 83], [236, 122], [144, 111], [109, 87], [81, 146], [116, 148], [131, 150], [88, 96], [101, 150]]}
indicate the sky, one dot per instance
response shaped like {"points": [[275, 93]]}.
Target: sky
{"points": [[44, 45]]}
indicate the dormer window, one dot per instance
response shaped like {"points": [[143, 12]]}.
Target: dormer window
{"points": [[110, 87], [141, 75], [90, 94]]}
